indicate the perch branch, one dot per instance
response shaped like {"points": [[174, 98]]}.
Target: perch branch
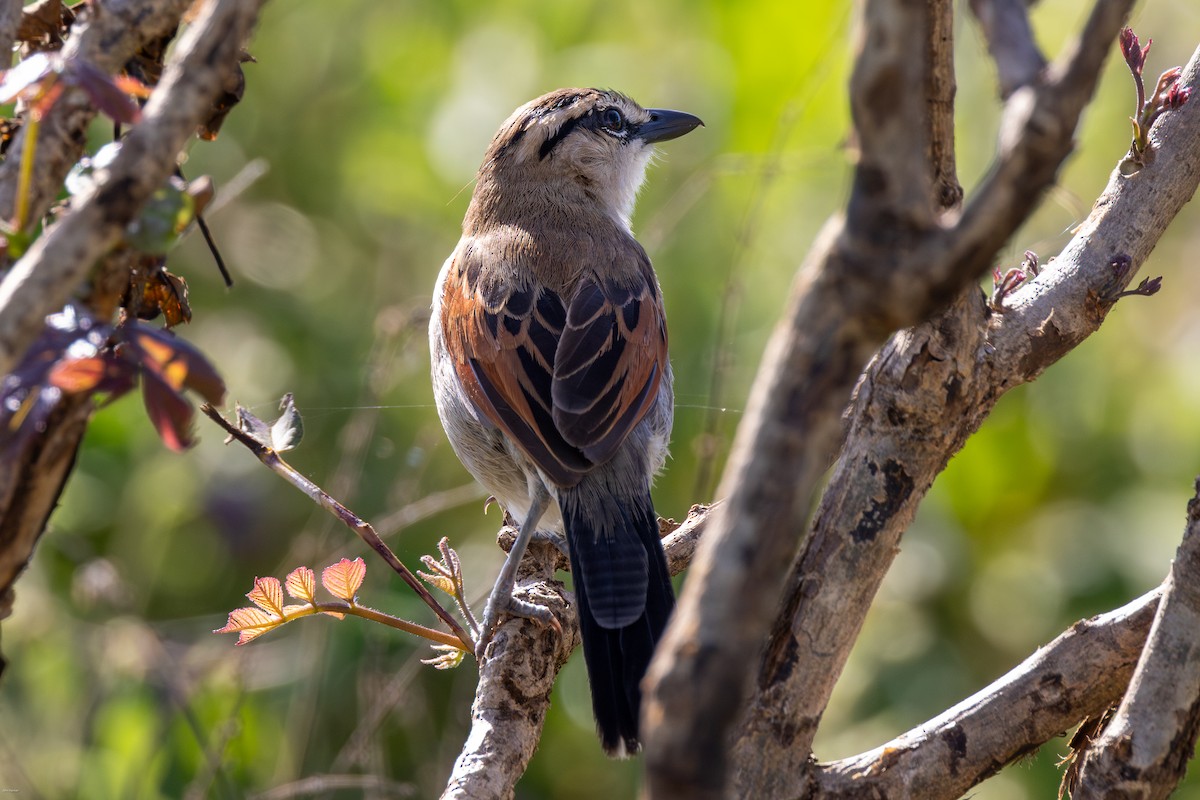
{"points": [[518, 673]]}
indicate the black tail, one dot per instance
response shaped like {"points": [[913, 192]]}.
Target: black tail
{"points": [[624, 598]]}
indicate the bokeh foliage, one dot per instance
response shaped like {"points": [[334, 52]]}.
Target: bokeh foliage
{"points": [[370, 119]]}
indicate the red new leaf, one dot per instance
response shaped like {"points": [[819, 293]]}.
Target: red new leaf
{"points": [[179, 364], [106, 372], [343, 579], [169, 412]]}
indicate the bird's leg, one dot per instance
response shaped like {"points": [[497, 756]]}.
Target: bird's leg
{"points": [[501, 599]]}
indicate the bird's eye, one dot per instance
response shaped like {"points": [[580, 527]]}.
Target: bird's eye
{"points": [[613, 119]]}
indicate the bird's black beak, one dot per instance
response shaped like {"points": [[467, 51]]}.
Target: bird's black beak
{"points": [[665, 124]]}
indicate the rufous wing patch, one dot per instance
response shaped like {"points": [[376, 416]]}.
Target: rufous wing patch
{"points": [[567, 382]]}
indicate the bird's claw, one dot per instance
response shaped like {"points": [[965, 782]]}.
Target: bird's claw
{"points": [[513, 607]]}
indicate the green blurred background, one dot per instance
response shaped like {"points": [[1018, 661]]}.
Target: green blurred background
{"points": [[364, 123]]}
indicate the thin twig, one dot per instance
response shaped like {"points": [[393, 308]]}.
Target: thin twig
{"points": [[347, 517]]}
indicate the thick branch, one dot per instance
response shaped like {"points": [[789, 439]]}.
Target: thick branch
{"points": [[792, 420], [58, 262], [1145, 749], [923, 395], [1079, 674], [849, 294], [901, 434]]}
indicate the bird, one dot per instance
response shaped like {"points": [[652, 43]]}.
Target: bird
{"points": [[548, 345]]}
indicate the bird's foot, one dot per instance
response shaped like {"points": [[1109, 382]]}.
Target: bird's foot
{"points": [[501, 599], [503, 602]]}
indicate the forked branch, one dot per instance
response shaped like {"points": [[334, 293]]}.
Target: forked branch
{"points": [[887, 265]]}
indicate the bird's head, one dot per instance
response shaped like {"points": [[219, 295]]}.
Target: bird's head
{"points": [[591, 141]]}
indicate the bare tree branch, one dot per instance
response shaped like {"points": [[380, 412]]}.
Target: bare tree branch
{"points": [[1005, 25], [941, 88], [57, 263], [831, 326], [923, 395], [1144, 751], [518, 672], [516, 677], [32, 479], [681, 539], [860, 281], [10, 20], [106, 35], [1078, 674], [896, 445]]}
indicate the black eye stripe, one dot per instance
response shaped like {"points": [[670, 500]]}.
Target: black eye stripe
{"points": [[598, 119], [562, 133]]}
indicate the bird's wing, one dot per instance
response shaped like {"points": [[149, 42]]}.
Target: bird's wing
{"points": [[567, 382], [503, 338], [610, 359]]}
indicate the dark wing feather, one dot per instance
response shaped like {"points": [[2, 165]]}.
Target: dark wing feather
{"points": [[610, 359], [566, 383], [503, 340]]}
